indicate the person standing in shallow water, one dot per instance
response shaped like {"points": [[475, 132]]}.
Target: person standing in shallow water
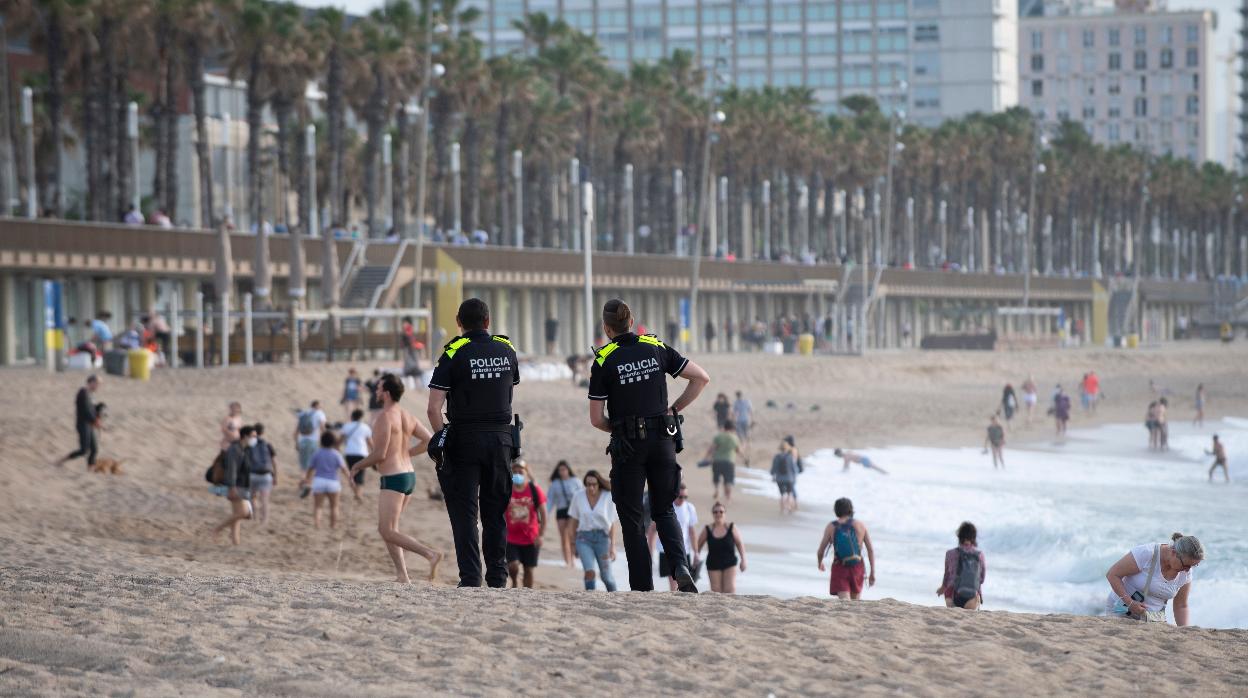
{"points": [[628, 382], [996, 441], [393, 428]]}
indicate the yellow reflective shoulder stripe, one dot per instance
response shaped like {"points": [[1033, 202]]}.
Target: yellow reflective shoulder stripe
{"points": [[504, 340], [454, 346], [649, 340], [604, 352]]}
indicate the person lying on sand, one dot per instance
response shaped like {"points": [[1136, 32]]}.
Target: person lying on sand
{"points": [[851, 457], [393, 427]]}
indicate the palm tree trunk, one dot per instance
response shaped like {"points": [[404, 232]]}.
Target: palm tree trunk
{"points": [[374, 117], [472, 174], [8, 179], [124, 167], [160, 105], [108, 107], [203, 155], [282, 109], [334, 102], [169, 135], [400, 167], [255, 106], [502, 201], [55, 37], [90, 132]]}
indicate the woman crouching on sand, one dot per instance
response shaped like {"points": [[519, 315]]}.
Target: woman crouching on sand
{"points": [[1145, 580]]}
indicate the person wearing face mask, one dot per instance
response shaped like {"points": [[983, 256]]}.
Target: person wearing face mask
{"points": [[526, 524]]}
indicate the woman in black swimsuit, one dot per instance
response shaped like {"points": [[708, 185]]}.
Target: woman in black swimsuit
{"points": [[723, 543]]}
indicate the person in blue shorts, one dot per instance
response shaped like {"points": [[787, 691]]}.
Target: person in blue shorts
{"points": [[851, 457]]}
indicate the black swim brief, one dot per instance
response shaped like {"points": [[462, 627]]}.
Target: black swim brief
{"points": [[403, 483]]}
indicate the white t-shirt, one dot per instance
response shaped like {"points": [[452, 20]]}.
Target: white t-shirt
{"points": [[595, 518], [1161, 590], [686, 516], [357, 434]]}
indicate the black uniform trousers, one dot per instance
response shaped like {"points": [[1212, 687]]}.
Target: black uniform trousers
{"points": [[653, 462], [476, 467], [87, 443]]}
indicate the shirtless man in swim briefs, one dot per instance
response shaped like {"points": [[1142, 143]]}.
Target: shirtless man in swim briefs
{"points": [[851, 457], [393, 428]]}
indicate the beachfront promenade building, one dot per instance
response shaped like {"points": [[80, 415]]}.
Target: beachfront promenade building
{"points": [[935, 58], [129, 271], [1142, 79]]}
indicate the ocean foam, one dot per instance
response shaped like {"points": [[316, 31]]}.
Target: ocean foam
{"points": [[1050, 525]]}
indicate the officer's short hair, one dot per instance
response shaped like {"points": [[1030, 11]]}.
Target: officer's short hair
{"points": [[392, 385], [617, 316], [473, 314]]}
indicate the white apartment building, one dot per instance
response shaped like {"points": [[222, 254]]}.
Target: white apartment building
{"points": [[935, 58], [1141, 79]]}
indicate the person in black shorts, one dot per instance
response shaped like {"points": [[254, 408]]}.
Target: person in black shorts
{"points": [[628, 399], [474, 379], [723, 541]]}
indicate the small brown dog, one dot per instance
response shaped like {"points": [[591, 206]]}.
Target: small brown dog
{"points": [[106, 465]]}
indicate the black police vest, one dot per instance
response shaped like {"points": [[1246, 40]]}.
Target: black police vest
{"points": [[479, 372], [634, 370]]}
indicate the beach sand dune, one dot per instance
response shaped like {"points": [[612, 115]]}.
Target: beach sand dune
{"points": [[112, 584]]}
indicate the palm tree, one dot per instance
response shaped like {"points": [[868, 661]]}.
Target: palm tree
{"points": [[199, 23]]}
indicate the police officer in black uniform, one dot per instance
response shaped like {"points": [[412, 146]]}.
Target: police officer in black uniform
{"points": [[629, 377], [474, 379]]}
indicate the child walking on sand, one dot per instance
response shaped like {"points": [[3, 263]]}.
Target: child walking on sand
{"points": [[322, 476]]}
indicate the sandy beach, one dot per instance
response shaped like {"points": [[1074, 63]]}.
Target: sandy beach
{"points": [[113, 585]]}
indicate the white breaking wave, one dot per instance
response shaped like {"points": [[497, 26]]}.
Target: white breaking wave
{"points": [[1050, 525]]}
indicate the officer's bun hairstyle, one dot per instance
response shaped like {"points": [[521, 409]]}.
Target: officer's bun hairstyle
{"points": [[617, 316], [392, 385], [473, 314]]}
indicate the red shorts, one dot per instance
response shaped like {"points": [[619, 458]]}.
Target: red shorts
{"points": [[846, 579]]}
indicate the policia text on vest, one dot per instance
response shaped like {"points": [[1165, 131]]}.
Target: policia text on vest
{"points": [[474, 380], [628, 399]]}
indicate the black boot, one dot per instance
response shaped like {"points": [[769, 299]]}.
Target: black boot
{"points": [[684, 579]]}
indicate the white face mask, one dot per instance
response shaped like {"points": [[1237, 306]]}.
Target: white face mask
{"points": [[252, 441]]}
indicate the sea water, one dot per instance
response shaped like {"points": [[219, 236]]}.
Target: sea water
{"points": [[1050, 524]]}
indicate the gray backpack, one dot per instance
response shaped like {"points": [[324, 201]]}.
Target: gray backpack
{"points": [[966, 582], [307, 422]]}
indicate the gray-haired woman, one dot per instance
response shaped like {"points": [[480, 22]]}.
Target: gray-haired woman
{"points": [[1145, 580]]}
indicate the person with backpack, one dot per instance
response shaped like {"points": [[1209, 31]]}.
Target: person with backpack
{"points": [[965, 568], [526, 524], [357, 443], [785, 466], [230, 476], [309, 424], [847, 538], [263, 472]]}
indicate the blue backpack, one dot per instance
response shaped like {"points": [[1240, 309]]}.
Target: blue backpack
{"points": [[845, 544]]}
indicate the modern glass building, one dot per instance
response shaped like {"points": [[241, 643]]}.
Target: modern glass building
{"points": [[935, 58]]}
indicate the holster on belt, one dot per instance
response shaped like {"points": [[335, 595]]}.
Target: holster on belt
{"points": [[516, 427]]}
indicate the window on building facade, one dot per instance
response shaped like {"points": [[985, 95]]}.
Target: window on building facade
{"points": [[1063, 111], [786, 44], [1193, 57], [747, 14], [1115, 108], [1193, 33], [1195, 82], [1115, 61], [1114, 37], [1062, 41], [926, 32], [1167, 106], [1141, 36], [1167, 58], [1141, 60], [858, 41], [926, 97], [1143, 85], [1089, 111], [1140, 106], [1163, 82], [1193, 105], [675, 15], [814, 12], [1037, 41], [1037, 88], [1037, 62], [1089, 38], [1063, 64], [821, 44], [927, 63], [1114, 86], [1089, 87], [1112, 133], [1089, 62], [786, 13], [711, 14], [1167, 35], [891, 40], [856, 10], [1193, 129]]}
